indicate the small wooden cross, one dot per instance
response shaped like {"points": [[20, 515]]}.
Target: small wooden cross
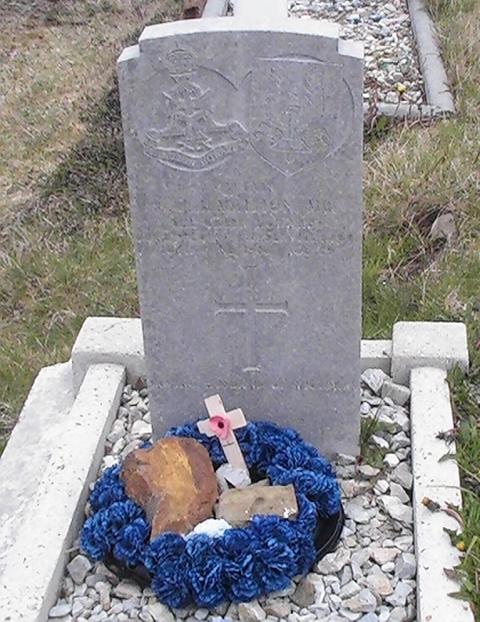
{"points": [[222, 425]]}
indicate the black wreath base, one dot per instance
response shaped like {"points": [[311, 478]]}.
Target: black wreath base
{"points": [[244, 562], [327, 534]]}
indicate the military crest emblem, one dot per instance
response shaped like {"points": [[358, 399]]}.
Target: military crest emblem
{"points": [[190, 138]]}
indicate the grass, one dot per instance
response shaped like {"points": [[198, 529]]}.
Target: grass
{"points": [[65, 247]]}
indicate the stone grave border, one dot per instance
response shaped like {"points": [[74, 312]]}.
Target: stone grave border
{"points": [[435, 81], [55, 451]]}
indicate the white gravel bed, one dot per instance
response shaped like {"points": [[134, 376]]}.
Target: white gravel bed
{"points": [[370, 577], [392, 73]]}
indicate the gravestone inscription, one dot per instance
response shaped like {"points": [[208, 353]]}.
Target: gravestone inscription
{"points": [[243, 141]]}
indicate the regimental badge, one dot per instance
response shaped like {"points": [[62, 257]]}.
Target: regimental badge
{"points": [[191, 138]]}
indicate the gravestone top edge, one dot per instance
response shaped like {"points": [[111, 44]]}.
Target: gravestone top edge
{"points": [[226, 24], [129, 53], [291, 25]]}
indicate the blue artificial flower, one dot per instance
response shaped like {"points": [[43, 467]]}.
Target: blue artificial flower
{"points": [[132, 541], [166, 551], [108, 489], [206, 574]]}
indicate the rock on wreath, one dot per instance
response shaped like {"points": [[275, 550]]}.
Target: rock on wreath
{"points": [[242, 562]]}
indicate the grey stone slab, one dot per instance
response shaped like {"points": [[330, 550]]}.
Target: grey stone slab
{"points": [[244, 146]]}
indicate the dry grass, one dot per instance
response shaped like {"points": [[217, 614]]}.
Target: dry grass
{"points": [[58, 60], [65, 248]]}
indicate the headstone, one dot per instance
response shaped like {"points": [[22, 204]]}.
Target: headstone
{"points": [[243, 141]]}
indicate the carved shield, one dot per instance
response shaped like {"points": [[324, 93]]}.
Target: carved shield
{"points": [[294, 110]]}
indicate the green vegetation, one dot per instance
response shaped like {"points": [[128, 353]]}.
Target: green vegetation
{"points": [[65, 247]]}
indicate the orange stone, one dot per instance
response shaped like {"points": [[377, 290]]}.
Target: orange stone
{"points": [[173, 481]]}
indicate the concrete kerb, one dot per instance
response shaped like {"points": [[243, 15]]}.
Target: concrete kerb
{"points": [[439, 481], [437, 90], [431, 64], [44, 522], [41, 523], [215, 8]]}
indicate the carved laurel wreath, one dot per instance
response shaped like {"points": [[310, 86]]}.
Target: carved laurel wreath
{"points": [[243, 562]]}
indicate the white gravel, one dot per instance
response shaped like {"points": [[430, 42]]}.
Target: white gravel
{"points": [[370, 577], [392, 74]]}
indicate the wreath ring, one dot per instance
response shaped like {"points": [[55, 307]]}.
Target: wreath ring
{"points": [[243, 562]]}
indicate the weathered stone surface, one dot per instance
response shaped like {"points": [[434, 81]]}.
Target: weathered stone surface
{"points": [[251, 612], [244, 159], [173, 481], [238, 505]]}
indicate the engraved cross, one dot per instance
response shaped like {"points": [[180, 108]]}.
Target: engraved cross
{"points": [[252, 310]]}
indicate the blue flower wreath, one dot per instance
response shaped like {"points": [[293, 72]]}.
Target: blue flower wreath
{"points": [[243, 562]]}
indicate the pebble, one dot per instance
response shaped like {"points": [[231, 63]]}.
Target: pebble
{"points": [[141, 430], [391, 461], [406, 566], [374, 379], [396, 509], [333, 562], [392, 72], [78, 568], [304, 595], [251, 612], [379, 442], [402, 475], [60, 610], [379, 584], [370, 577], [127, 589], [396, 392], [383, 556]]}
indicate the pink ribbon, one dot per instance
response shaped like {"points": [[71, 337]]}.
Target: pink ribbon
{"points": [[220, 426]]}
